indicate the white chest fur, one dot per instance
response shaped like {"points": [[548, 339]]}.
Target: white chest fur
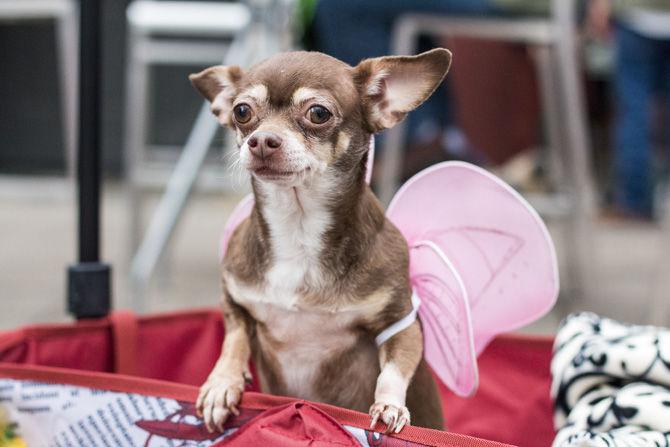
{"points": [[297, 220]]}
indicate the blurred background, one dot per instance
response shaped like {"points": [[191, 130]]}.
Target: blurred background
{"points": [[569, 101]]}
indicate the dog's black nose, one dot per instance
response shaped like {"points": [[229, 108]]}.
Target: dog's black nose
{"points": [[263, 144]]}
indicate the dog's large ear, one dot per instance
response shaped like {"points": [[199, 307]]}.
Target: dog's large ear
{"points": [[218, 86], [392, 86]]}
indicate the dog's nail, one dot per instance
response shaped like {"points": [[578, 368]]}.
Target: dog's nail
{"points": [[402, 421], [221, 425], [392, 419], [235, 410], [400, 425], [232, 397], [219, 417], [206, 415], [375, 417], [199, 402]]}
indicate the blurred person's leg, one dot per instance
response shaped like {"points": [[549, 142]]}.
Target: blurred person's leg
{"points": [[635, 78]]}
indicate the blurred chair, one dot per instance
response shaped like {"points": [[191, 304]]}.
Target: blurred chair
{"points": [[166, 33], [554, 44], [267, 30], [65, 15]]}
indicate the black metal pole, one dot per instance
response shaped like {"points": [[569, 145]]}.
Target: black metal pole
{"points": [[89, 124], [89, 279]]}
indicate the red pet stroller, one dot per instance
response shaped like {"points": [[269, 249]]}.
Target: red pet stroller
{"points": [[138, 377], [119, 380]]}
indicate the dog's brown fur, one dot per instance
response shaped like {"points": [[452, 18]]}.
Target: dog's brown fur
{"points": [[358, 284]]}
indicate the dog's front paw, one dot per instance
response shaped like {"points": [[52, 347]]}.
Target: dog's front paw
{"points": [[393, 416], [219, 398]]}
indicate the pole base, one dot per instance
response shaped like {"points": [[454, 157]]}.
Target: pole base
{"points": [[89, 290]]}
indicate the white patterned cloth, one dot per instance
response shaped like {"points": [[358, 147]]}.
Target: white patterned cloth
{"points": [[611, 383]]}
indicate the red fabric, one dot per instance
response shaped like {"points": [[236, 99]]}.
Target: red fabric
{"points": [[124, 327], [512, 405], [179, 347], [296, 424]]}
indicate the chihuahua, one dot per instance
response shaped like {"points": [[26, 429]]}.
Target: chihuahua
{"points": [[317, 272]]}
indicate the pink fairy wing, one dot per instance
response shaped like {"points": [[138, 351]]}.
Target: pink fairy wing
{"points": [[495, 242], [445, 317], [243, 209], [241, 212]]}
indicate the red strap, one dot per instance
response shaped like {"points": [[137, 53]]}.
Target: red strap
{"points": [[124, 337], [9, 339]]}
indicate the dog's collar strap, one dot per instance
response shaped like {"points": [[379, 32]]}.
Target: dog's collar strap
{"points": [[401, 324]]}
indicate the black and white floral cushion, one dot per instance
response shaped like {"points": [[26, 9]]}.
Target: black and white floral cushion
{"points": [[611, 383]]}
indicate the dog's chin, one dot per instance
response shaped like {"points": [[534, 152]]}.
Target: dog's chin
{"points": [[279, 177]]}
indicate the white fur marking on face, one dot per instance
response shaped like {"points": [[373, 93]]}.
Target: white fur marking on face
{"points": [[220, 106], [343, 140], [391, 386], [258, 93], [305, 94], [245, 153]]}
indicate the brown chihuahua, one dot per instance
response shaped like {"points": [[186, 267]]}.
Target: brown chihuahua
{"points": [[317, 271]]}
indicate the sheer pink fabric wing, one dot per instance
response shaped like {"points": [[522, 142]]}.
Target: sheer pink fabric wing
{"points": [[445, 317], [498, 247], [241, 212]]}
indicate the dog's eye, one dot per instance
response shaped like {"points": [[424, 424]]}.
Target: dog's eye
{"points": [[318, 114], [242, 113]]}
